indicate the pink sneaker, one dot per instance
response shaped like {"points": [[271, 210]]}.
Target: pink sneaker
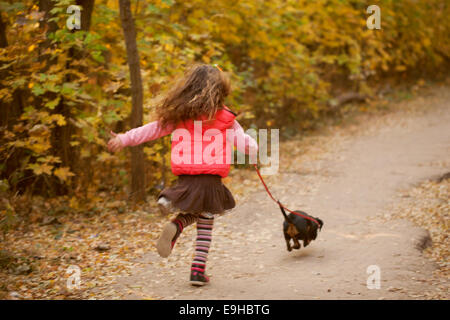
{"points": [[198, 278]]}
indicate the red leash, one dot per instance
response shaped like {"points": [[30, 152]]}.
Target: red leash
{"points": [[271, 196]]}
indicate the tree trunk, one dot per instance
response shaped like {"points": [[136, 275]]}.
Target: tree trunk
{"points": [[3, 40], [86, 13], [62, 135], [137, 153]]}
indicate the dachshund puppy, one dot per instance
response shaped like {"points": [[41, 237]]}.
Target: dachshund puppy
{"points": [[299, 228]]}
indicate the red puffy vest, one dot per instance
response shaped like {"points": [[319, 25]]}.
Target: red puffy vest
{"points": [[201, 147]]}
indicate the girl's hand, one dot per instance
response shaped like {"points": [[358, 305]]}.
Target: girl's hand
{"points": [[115, 144]]}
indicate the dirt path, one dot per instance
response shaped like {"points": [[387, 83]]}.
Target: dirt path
{"points": [[349, 186]]}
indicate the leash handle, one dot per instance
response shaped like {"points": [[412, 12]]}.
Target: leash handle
{"points": [[279, 203]]}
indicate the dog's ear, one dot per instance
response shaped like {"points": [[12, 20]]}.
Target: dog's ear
{"points": [[320, 223]]}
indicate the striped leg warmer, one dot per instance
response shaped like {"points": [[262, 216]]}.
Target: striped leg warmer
{"points": [[202, 243], [184, 219]]}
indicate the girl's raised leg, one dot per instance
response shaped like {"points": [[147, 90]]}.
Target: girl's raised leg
{"points": [[172, 231]]}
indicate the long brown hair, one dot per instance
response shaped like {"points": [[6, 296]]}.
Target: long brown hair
{"points": [[201, 92]]}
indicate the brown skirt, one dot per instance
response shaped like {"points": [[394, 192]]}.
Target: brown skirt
{"points": [[203, 193]]}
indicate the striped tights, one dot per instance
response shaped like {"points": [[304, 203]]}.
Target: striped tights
{"points": [[203, 240]]}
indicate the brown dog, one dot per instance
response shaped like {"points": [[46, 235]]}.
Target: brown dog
{"points": [[299, 228]]}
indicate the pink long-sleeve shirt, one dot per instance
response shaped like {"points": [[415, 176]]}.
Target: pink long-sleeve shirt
{"points": [[243, 142]]}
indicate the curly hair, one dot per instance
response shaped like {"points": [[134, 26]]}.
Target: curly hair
{"points": [[200, 93]]}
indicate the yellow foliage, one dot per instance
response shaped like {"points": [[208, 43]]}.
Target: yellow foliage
{"points": [[286, 59], [39, 169], [63, 173]]}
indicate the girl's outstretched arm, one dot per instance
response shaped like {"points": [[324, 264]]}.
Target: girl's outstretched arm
{"points": [[243, 142], [133, 137]]}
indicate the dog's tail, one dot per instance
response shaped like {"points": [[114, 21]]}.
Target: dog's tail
{"points": [[284, 212]]}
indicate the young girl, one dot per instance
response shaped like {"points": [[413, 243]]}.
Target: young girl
{"points": [[203, 133]]}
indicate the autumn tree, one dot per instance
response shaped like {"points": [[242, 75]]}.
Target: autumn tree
{"points": [[61, 137], [137, 153]]}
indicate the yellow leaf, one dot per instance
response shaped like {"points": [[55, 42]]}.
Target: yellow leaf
{"points": [[63, 173], [59, 119], [105, 156], [38, 142], [31, 48], [46, 168], [40, 168], [168, 47], [74, 143]]}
